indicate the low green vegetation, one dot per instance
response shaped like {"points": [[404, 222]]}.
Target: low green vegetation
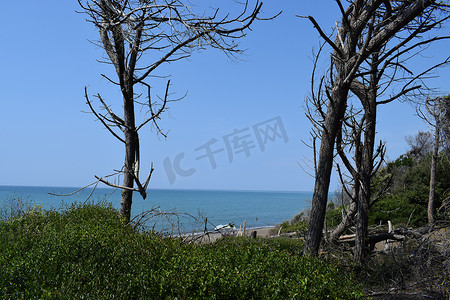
{"points": [[298, 224], [406, 199], [85, 251], [333, 215]]}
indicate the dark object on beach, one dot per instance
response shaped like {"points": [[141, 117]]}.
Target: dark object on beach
{"points": [[253, 235]]}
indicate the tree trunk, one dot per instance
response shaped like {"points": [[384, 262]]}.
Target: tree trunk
{"points": [[433, 173], [361, 246], [362, 222], [334, 116], [131, 139]]}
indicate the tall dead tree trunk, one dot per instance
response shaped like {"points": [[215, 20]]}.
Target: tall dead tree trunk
{"points": [[368, 98], [365, 154], [435, 111], [431, 200]]}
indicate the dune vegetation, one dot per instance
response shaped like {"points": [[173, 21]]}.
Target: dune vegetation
{"points": [[86, 251]]}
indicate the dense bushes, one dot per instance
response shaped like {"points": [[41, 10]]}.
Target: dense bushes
{"points": [[407, 198], [298, 224], [87, 252]]}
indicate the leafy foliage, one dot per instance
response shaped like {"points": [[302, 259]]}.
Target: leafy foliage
{"points": [[333, 215], [298, 224], [407, 198], [87, 252], [405, 201]]}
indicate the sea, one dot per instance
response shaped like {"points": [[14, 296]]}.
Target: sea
{"points": [[172, 211]]}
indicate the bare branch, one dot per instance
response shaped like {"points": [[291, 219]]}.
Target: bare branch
{"points": [[74, 192], [322, 34], [100, 118], [403, 92], [155, 116], [344, 14], [115, 185], [115, 119]]}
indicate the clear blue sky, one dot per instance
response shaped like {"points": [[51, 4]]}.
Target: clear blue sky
{"points": [[47, 140]]}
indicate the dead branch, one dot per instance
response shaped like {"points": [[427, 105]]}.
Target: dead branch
{"points": [[373, 238], [322, 34], [100, 118]]}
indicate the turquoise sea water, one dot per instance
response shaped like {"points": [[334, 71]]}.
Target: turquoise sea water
{"points": [[258, 208]]}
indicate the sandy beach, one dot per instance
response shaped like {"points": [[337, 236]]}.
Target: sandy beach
{"points": [[210, 237]]}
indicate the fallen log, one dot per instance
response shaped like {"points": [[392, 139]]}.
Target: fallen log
{"points": [[373, 238]]}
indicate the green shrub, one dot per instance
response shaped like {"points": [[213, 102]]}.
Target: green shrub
{"points": [[407, 197], [298, 224], [87, 252], [334, 216], [399, 210]]}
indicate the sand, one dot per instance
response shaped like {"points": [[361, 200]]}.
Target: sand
{"points": [[210, 237]]}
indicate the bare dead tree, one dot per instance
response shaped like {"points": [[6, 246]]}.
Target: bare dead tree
{"points": [[434, 116], [357, 125], [362, 170], [377, 74], [366, 28], [138, 37]]}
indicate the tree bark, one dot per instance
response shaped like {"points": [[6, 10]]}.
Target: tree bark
{"points": [[131, 138], [361, 241]]}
